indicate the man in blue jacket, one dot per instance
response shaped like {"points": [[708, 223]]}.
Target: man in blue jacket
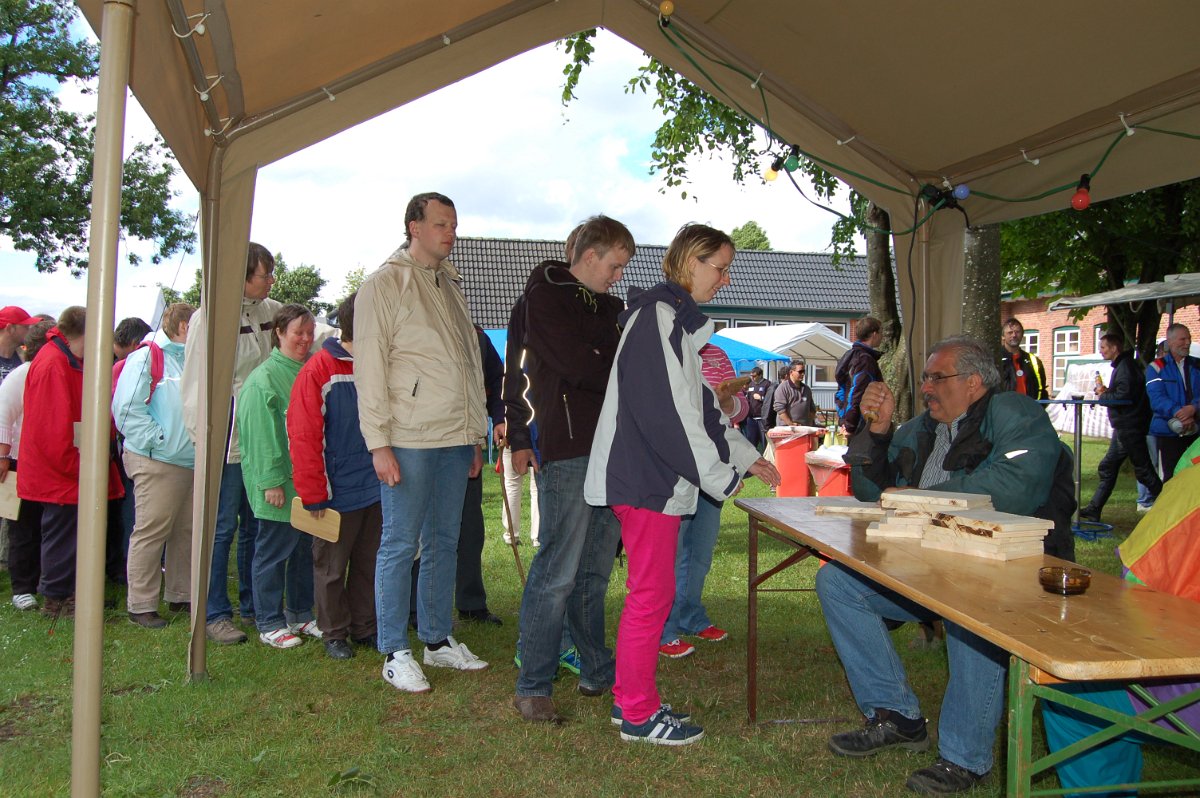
{"points": [[972, 439], [1172, 383]]}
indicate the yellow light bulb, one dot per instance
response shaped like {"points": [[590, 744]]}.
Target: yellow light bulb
{"points": [[770, 174], [666, 8]]}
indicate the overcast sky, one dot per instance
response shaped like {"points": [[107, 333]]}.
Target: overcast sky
{"points": [[500, 144]]}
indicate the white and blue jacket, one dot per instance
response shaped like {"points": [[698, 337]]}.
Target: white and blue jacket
{"points": [[155, 430]]}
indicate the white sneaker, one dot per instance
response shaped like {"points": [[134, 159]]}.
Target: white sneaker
{"points": [[401, 671], [1141, 508], [25, 601], [456, 655], [279, 638], [307, 628]]}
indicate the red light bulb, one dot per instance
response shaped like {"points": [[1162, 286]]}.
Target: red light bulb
{"points": [[1081, 200]]}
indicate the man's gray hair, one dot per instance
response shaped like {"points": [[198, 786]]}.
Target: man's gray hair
{"points": [[970, 357]]}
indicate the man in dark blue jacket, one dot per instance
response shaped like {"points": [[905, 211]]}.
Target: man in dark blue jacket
{"points": [[1173, 383], [1129, 415]]}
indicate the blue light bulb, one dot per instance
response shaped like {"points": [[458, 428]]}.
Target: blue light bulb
{"points": [[962, 191]]}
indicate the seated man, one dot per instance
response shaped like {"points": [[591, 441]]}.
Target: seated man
{"points": [[970, 440]]}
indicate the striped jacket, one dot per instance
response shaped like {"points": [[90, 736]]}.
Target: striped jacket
{"points": [[662, 436]]}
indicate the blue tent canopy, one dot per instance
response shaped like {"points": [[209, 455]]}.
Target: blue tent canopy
{"points": [[743, 356]]}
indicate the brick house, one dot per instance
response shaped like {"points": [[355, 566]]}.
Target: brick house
{"points": [[1058, 339]]}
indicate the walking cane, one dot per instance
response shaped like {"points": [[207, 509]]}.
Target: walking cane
{"points": [[513, 532]]}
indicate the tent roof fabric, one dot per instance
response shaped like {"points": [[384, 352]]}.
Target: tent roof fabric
{"points": [[1177, 286], [811, 340], [495, 269]]}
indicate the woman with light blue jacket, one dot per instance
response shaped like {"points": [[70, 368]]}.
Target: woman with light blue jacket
{"points": [[159, 457]]}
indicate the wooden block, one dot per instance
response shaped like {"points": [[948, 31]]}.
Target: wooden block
{"points": [[883, 530], [10, 505], [979, 541], [934, 500], [960, 546], [847, 506], [328, 527], [997, 521]]}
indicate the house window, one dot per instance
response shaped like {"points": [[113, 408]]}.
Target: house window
{"points": [[819, 373], [1031, 343], [748, 323], [840, 329], [720, 324], [1066, 345], [1100, 330]]}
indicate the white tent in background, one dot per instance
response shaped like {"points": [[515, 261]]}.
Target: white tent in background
{"points": [[814, 342]]}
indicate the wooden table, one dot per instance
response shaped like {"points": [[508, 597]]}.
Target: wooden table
{"points": [[1115, 631]]}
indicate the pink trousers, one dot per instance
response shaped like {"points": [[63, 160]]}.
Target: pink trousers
{"points": [[650, 540]]}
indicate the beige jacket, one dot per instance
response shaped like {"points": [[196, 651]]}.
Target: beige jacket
{"points": [[253, 347], [416, 358]]}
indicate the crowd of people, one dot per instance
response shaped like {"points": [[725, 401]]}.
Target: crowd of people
{"points": [[642, 431]]}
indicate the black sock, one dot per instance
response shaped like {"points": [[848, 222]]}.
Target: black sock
{"points": [[445, 641], [905, 725]]}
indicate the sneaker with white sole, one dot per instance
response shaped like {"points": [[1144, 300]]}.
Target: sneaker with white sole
{"points": [[401, 671], [454, 655], [25, 601], [677, 649], [280, 638], [309, 628], [662, 728]]}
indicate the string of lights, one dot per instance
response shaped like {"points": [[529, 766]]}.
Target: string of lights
{"points": [[949, 196]]}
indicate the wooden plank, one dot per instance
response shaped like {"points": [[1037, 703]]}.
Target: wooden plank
{"points": [[1116, 630], [934, 500], [10, 505], [997, 521], [848, 506], [878, 530], [327, 527]]}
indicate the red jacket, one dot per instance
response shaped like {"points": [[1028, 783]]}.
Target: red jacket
{"points": [[49, 466]]}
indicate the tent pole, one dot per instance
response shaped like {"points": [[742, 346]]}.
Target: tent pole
{"points": [[116, 37], [203, 516]]}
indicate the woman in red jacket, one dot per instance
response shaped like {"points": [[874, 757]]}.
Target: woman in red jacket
{"points": [[49, 472]]}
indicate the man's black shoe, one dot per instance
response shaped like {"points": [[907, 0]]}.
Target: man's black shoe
{"points": [[1089, 514], [338, 649], [879, 733], [480, 616], [943, 778], [370, 641]]}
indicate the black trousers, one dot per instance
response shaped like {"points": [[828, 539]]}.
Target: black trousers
{"points": [[60, 523], [1131, 444], [25, 547], [1170, 449]]}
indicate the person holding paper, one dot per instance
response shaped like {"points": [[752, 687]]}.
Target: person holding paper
{"points": [[282, 554], [332, 469]]}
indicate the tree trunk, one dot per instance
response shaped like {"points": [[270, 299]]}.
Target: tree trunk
{"points": [[981, 286], [881, 283]]}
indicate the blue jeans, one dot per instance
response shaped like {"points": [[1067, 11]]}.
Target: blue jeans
{"points": [[567, 578], [282, 557], [693, 560], [855, 607], [1144, 496], [423, 510], [233, 517]]}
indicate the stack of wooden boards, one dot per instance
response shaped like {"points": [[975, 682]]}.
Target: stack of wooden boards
{"points": [[958, 522]]}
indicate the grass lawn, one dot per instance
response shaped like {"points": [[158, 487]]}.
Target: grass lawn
{"points": [[272, 723]]}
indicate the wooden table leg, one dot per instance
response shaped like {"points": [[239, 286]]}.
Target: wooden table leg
{"points": [[752, 624], [1021, 701]]}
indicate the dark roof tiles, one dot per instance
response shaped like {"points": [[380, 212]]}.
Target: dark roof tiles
{"points": [[494, 272]]}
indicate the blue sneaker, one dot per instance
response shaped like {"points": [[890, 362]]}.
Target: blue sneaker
{"points": [[569, 660], [618, 717], [662, 728]]}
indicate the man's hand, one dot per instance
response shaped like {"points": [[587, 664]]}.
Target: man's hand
{"points": [[5, 464], [1186, 414], [476, 463], [317, 514], [386, 467], [765, 471], [274, 496], [498, 433], [878, 399], [523, 460]]}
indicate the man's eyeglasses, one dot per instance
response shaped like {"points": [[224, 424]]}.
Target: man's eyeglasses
{"points": [[936, 378], [264, 275], [724, 271]]}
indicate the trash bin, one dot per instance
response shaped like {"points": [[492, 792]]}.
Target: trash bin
{"points": [[829, 471], [791, 446]]}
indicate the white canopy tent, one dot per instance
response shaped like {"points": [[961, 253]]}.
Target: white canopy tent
{"points": [[1016, 99], [814, 342], [1175, 291]]}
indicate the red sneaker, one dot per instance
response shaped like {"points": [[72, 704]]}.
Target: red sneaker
{"points": [[712, 634], [677, 649]]}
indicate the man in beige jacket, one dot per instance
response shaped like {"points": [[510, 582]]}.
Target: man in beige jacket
{"points": [[421, 410]]}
